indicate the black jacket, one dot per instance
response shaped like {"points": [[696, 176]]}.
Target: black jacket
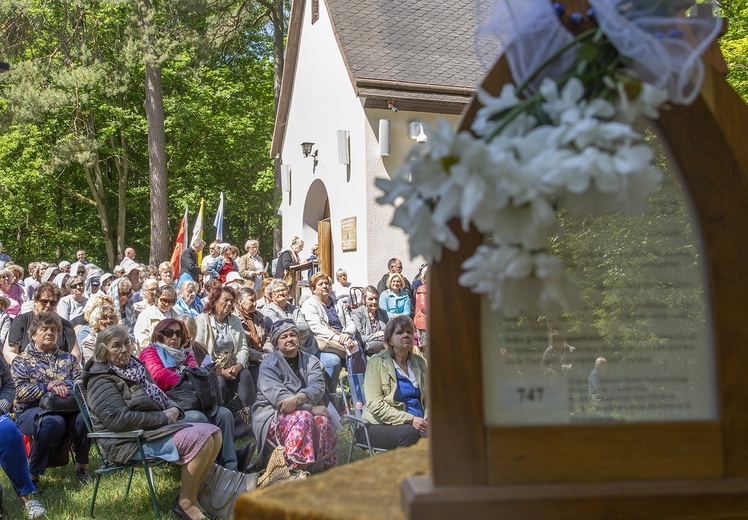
{"points": [[188, 263], [119, 405]]}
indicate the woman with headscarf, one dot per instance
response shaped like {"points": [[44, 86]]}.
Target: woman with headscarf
{"points": [[61, 281], [106, 280], [166, 359], [123, 397], [290, 406]]}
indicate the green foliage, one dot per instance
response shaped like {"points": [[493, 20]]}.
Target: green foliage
{"points": [[734, 44], [72, 121]]}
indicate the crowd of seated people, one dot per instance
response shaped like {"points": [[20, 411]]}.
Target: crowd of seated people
{"points": [[130, 335]]}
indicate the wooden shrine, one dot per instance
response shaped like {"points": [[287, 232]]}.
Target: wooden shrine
{"points": [[624, 470]]}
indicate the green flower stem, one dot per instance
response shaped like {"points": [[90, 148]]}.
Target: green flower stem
{"points": [[589, 33]]}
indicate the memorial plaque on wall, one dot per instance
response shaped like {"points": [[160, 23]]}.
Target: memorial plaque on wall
{"points": [[640, 347], [348, 234]]}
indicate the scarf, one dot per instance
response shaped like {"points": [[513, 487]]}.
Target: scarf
{"points": [[135, 371], [170, 357]]}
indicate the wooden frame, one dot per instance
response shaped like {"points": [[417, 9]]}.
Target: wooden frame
{"points": [[646, 470]]}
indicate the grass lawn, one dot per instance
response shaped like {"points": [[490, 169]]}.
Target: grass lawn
{"points": [[65, 498]]}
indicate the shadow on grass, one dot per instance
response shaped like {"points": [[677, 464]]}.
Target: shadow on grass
{"points": [[67, 499]]}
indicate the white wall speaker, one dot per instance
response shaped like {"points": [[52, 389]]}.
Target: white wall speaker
{"points": [[344, 153], [384, 137]]}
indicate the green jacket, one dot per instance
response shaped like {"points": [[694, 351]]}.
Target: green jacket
{"points": [[380, 385]]}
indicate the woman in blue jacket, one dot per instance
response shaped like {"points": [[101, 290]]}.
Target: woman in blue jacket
{"points": [[395, 299]]}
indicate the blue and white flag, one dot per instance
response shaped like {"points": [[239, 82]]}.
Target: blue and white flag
{"points": [[218, 222]]}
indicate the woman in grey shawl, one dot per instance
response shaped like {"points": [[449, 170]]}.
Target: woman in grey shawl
{"points": [[290, 407]]}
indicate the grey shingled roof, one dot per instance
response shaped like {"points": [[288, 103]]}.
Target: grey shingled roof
{"points": [[415, 41]]}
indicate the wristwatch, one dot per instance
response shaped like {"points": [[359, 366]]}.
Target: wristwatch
{"points": [[298, 400]]}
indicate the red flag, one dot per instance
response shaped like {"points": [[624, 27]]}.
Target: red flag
{"points": [[179, 246]]}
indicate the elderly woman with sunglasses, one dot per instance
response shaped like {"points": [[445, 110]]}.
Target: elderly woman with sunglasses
{"points": [[166, 297], [71, 306], [166, 359], [122, 396], [46, 298], [290, 406]]}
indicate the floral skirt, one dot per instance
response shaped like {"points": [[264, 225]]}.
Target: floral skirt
{"points": [[305, 438]]}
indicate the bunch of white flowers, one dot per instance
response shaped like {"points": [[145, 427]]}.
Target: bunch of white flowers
{"points": [[526, 160]]}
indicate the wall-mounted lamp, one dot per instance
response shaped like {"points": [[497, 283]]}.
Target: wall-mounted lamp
{"points": [[344, 154], [286, 178], [415, 132], [391, 105], [306, 151]]}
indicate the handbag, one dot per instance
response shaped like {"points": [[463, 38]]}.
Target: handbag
{"points": [[51, 402], [220, 489], [224, 360], [197, 389], [277, 470], [332, 345]]}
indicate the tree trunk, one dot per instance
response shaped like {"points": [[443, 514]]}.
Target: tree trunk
{"points": [[96, 185], [122, 163], [154, 111], [279, 33]]}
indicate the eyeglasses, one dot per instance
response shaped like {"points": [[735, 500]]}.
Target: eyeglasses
{"points": [[119, 345], [128, 293], [169, 301], [77, 286], [168, 333], [44, 301]]}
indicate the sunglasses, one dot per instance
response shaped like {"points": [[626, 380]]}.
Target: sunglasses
{"points": [[169, 301], [128, 293], [168, 333], [77, 286], [44, 301]]}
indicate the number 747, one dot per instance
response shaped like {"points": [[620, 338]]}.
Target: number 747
{"points": [[534, 395]]}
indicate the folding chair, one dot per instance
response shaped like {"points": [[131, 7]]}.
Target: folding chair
{"points": [[355, 401], [107, 466], [356, 297]]}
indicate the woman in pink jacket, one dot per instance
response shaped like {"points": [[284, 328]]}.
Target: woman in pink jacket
{"points": [[166, 358]]}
